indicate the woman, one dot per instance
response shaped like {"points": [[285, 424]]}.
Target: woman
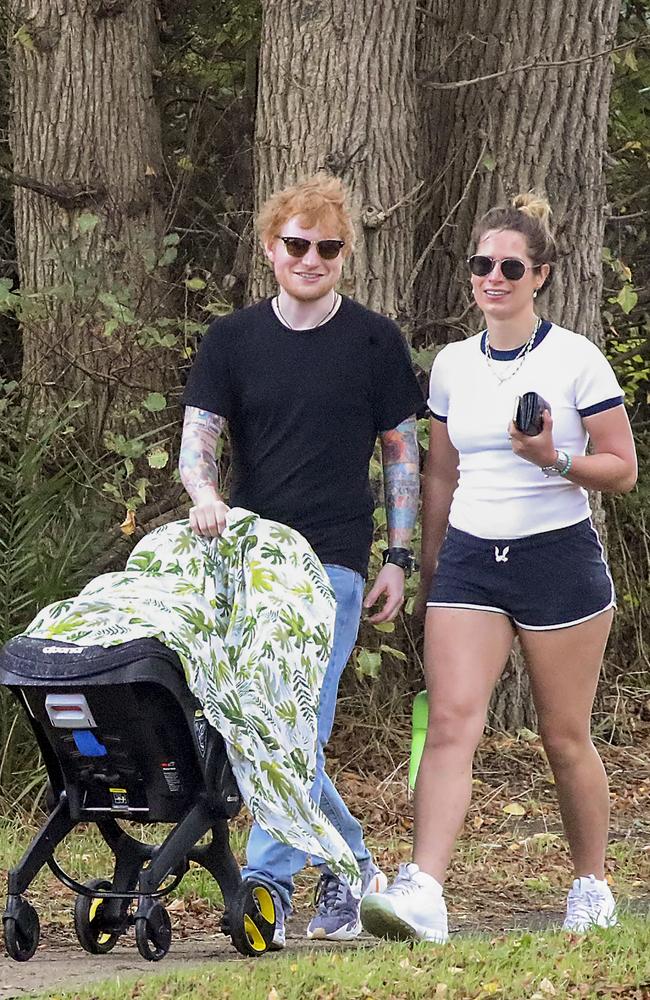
{"points": [[508, 550]]}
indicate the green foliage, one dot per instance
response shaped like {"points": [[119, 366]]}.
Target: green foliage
{"points": [[142, 425], [49, 529], [208, 88], [626, 314], [626, 310]]}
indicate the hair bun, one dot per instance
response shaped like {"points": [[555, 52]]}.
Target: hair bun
{"points": [[535, 205]]}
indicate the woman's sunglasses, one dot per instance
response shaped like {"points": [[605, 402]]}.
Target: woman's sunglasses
{"points": [[512, 268], [296, 246]]}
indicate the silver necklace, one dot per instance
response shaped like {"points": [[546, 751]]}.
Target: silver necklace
{"points": [[320, 322], [518, 359]]}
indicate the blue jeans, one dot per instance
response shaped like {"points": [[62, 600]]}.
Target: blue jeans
{"points": [[267, 859]]}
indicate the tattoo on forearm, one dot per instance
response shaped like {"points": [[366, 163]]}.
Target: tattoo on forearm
{"points": [[400, 457], [197, 462]]}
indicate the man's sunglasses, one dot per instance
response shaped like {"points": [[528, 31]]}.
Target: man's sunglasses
{"points": [[512, 268], [296, 246]]}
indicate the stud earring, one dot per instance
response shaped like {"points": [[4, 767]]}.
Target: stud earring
{"points": [[535, 294]]}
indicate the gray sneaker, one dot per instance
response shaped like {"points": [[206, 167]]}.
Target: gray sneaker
{"points": [[338, 910]]}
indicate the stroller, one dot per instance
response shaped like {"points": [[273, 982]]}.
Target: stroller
{"points": [[123, 739]]}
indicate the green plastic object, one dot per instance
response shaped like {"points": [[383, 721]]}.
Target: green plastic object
{"points": [[420, 721]]}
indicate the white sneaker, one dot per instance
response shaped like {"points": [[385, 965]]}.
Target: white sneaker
{"points": [[412, 908], [589, 904]]}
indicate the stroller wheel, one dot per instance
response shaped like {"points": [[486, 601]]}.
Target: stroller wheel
{"points": [[251, 918], [91, 933], [153, 933], [22, 929]]}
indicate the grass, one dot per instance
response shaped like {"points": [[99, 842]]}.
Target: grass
{"points": [[603, 964]]}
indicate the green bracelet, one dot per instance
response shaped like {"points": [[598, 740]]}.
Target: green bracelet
{"points": [[567, 467]]}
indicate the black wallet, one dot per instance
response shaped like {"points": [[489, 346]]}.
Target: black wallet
{"points": [[528, 413]]}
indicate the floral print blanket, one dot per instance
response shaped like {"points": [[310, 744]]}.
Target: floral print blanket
{"points": [[251, 616]]}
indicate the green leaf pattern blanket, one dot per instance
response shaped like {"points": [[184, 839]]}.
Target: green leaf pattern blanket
{"points": [[251, 617]]}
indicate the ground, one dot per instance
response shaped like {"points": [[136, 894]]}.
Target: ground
{"points": [[511, 870]]}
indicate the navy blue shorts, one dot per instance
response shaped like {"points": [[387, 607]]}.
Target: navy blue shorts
{"points": [[545, 581]]}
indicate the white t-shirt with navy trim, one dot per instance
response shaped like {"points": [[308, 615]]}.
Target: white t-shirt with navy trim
{"points": [[500, 495]]}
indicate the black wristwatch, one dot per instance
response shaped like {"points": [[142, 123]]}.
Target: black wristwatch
{"points": [[400, 557]]}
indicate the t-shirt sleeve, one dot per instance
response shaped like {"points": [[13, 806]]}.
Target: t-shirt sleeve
{"points": [[439, 387], [596, 385], [209, 384], [396, 392]]}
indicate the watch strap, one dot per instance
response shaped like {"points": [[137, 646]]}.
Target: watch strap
{"points": [[401, 557], [560, 466]]}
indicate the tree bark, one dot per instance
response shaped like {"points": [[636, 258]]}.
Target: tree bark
{"points": [[542, 128], [336, 92], [483, 142], [85, 136]]}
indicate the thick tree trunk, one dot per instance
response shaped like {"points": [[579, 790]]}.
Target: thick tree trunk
{"points": [[336, 92], [483, 142], [541, 128], [85, 136]]}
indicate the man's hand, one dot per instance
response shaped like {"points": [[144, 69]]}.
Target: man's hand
{"points": [[390, 585], [208, 518]]}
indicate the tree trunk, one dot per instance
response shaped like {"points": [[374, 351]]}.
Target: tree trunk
{"points": [[336, 92], [481, 143], [85, 136], [541, 128]]}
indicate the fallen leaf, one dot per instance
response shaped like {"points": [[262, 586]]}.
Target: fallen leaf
{"points": [[127, 526], [514, 809], [547, 988], [441, 990]]}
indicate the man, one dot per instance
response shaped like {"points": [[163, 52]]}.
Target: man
{"points": [[305, 382]]}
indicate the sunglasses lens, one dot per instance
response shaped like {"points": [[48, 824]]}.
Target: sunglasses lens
{"points": [[295, 246], [329, 249], [512, 269], [479, 265]]}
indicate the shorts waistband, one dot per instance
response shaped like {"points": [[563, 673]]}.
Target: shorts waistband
{"points": [[539, 538]]}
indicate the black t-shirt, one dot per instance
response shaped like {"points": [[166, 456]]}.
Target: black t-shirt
{"points": [[304, 408]]}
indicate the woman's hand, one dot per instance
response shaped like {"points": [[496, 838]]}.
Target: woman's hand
{"points": [[539, 450]]}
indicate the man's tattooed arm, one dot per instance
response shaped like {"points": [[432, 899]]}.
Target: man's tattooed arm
{"points": [[197, 462], [401, 464]]}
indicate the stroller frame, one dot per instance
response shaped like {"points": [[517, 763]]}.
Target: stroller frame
{"points": [[97, 779]]}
